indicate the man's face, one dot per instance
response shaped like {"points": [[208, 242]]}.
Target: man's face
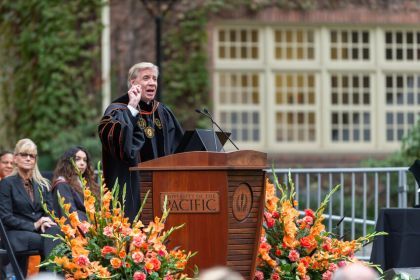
{"points": [[6, 165], [147, 79]]}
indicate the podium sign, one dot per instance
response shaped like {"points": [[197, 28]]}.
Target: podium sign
{"points": [[191, 202], [220, 199]]}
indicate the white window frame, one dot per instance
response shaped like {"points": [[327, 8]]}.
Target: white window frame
{"points": [[323, 67]]}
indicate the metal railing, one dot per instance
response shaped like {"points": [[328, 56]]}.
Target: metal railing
{"points": [[353, 210]]}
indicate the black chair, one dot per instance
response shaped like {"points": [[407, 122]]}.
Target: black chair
{"points": [[10, 254]]}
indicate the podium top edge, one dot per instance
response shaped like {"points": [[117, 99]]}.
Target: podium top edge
{"points": [[243, 159]]}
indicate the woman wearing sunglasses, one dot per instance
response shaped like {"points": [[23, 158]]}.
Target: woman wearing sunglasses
{"points": [[21, 212]]}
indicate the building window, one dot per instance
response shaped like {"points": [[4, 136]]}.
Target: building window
{"points": [[238, 44], [349, 45], [292, 44], [402, 104], [402, 45], [350, 108], [237, 90], [295, 107], [285, 88]]}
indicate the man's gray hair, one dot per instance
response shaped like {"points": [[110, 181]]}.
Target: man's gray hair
{"points": [[136, 68]]}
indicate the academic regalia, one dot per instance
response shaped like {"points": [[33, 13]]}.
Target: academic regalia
{"points": [[128, 140]]}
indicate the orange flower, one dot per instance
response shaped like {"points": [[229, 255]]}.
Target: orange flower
{"points": [[148, 266], [80, 274], [301, 270], [74, 219], [107, 225], [116, 263], [122, 254], [63, 261]]}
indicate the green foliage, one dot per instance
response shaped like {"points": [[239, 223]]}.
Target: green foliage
{"points": [[410, 147], [409, 151], [186, 77], [49, 64]]}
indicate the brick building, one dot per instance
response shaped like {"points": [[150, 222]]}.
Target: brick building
{"points": [[324, 85]]}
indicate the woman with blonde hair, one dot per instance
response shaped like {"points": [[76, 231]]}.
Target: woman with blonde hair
{"points": [[21, 212]]}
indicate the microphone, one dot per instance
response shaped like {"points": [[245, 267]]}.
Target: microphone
{"points": [[206, 113]]}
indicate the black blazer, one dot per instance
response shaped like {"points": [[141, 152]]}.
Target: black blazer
{"points": [[70, 196], [17, 211]]}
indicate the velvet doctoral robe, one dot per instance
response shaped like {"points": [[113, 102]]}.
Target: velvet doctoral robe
{"points": [[125, 144]]}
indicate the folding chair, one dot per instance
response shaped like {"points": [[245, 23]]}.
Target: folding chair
{"points": [[11, 254]]}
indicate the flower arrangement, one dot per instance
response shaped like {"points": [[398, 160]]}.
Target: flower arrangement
{"points": [[107, 246], [297, 246]]}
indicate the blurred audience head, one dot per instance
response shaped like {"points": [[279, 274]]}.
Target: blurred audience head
{"points": [[73, 162], [45, 276], [6, 164], [26, 161], [355, 271], [219, 273]]}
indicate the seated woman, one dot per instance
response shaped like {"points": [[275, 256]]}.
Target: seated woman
{"points": [[6, 164], [21, 205], [66, 181]]}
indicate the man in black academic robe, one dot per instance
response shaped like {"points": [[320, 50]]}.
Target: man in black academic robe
{"points": [[136, 128]]}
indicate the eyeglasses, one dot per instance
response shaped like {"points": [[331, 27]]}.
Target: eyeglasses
{"points": [[25, 155]]}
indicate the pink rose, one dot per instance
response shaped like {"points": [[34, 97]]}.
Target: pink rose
{"points": [[342, 263], [309, 220], [84, 226], [293, 255], [138, 257], [259, 275], [139, 276], [327, 275], [270, 222], [333, 267], [108, 231], [125, 231], [138, 241], [82, 260]]}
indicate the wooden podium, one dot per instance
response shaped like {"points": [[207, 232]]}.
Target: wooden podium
{"points": [[219, 197]]}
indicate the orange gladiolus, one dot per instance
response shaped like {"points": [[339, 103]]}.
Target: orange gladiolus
{"points": [[122, 254]]}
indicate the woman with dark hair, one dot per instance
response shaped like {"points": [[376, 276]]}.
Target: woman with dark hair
{"points": [[66, 180], [6, 164]]}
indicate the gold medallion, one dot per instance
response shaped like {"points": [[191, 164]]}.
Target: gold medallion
{"points": [[149, 131], [158, 123], [141, 123]]}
